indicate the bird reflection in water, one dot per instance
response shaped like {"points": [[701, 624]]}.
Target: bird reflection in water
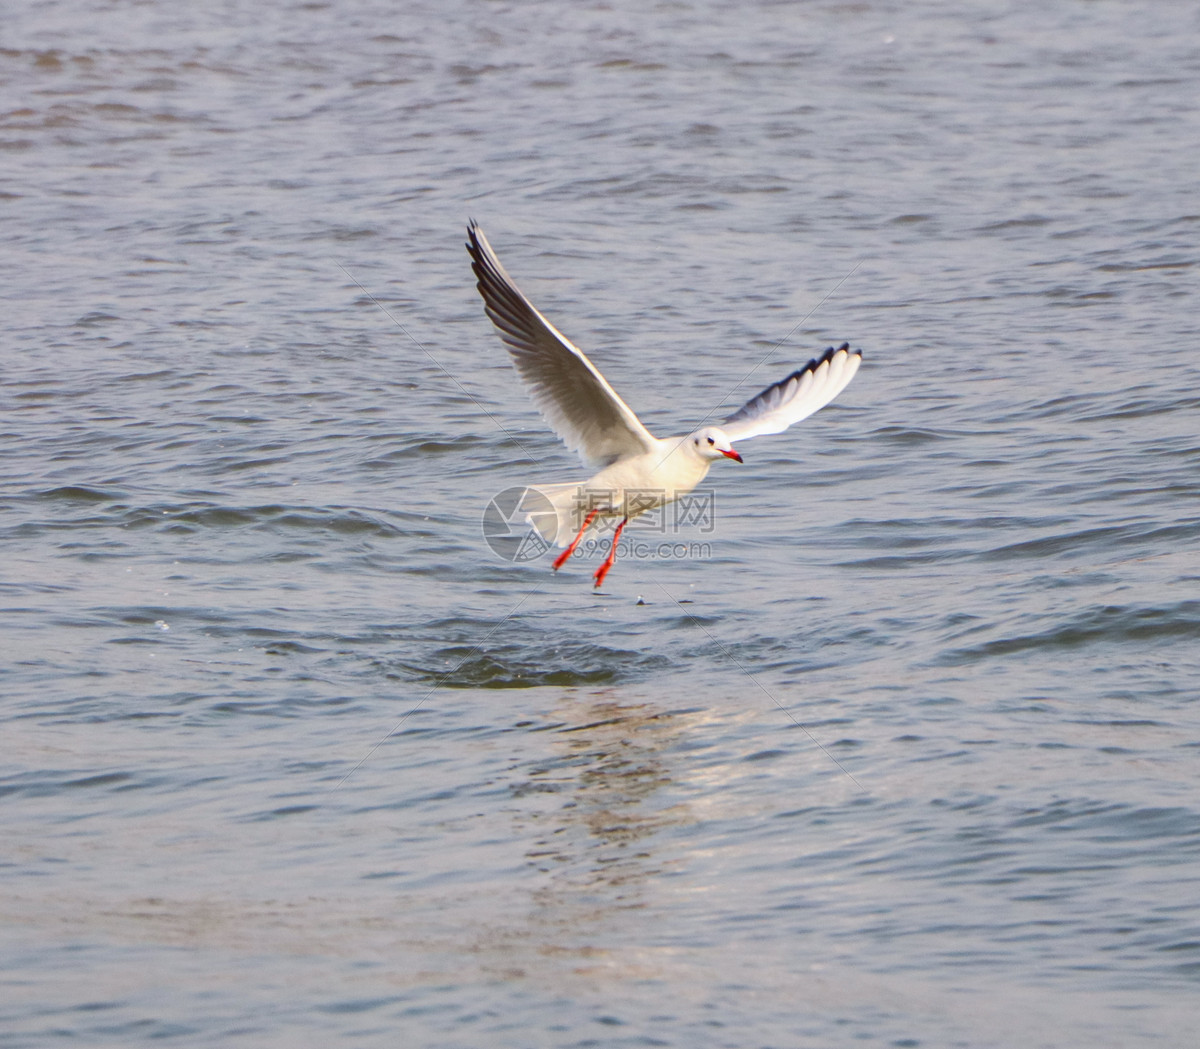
{"points": [[602, 847]]}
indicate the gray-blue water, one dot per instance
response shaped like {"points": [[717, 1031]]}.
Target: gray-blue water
{"points": [[902, 745]]}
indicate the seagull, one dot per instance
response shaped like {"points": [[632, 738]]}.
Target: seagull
{"points": [[637, 471]]}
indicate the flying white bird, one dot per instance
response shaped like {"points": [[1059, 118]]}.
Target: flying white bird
{"points": [[639, 472]]}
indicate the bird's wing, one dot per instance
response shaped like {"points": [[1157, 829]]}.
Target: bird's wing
{"points": [[799, 395], [570, 392]]}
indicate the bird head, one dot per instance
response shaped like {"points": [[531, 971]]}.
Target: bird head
{"points": [[712, 442]]}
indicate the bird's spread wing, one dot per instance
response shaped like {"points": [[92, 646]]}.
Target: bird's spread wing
{"points": [[796, 397], [567, 388]]}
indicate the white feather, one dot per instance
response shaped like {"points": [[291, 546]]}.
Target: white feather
{"points": [[799, 395], [573, 396]]}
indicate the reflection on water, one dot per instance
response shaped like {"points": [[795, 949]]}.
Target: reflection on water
{"points": [[600, 846]]}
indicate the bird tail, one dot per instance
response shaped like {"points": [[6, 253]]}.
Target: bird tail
{"points": [[557, 511]]}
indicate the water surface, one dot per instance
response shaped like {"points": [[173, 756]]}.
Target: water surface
{"points": [[901, 751]]}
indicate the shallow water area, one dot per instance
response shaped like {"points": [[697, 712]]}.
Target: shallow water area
{"points": [[895, 744]]}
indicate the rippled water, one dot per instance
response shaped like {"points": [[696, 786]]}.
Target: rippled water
{"points": [[899, 748]]}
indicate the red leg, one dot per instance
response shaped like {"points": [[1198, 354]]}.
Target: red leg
{"points": [[562, 558], [602, 571]]}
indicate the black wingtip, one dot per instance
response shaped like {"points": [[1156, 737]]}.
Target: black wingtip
{"points": [[844, 348], [474, 248], [815, 363], [825, 358]]}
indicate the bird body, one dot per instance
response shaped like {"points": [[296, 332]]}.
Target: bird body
{"points": [[638, 472], [626, 488]]}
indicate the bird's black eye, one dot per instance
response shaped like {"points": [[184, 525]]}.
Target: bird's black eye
{"points": [[711, 441]]}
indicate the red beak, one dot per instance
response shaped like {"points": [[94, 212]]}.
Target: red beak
{"points": [[731, 454]]}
